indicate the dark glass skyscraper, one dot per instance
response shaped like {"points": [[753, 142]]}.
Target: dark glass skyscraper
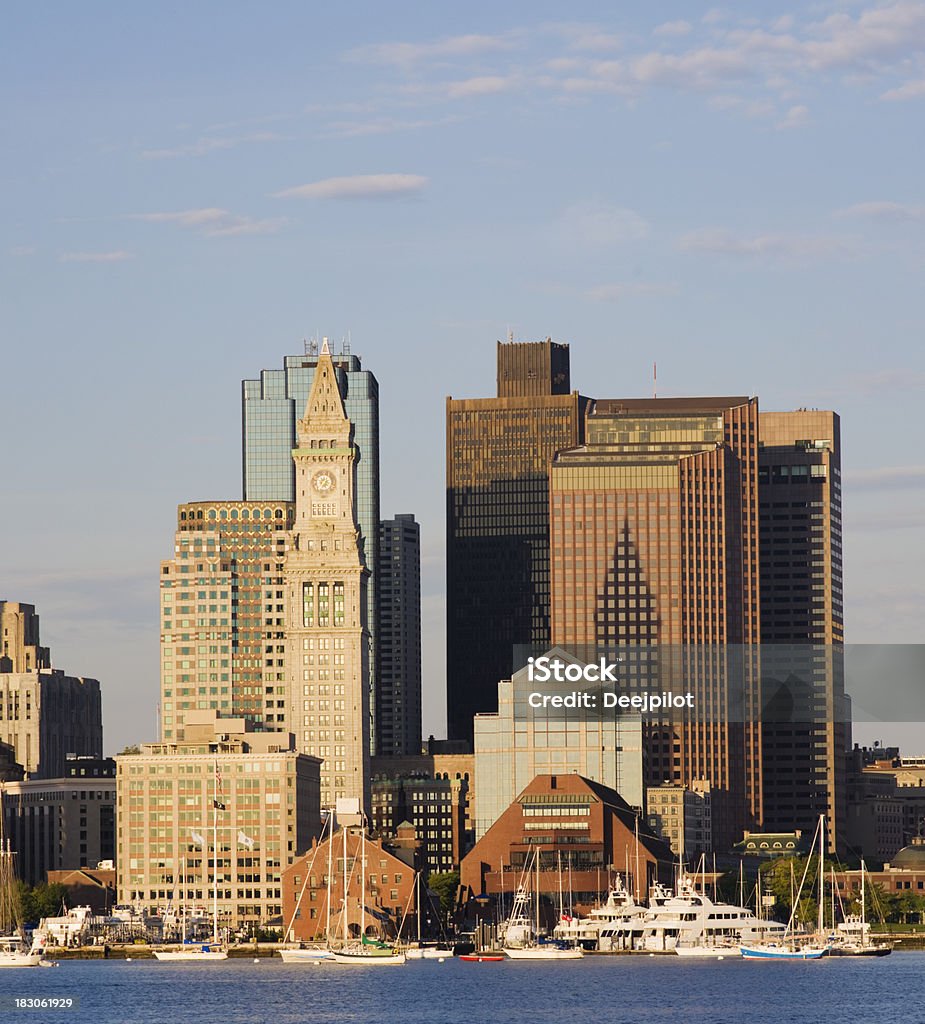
{"points": [[498, 455], [270, 407]]}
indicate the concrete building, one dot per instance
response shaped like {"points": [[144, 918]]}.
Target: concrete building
{"points": [[44, 714], [270, 409], [435, 807], [806, 728], [681, 816], [518, 743], [389, 891], [498, 452], [583, 832], [327, 642], [398, 695], [262, 795], [62, 823], [222, 624]]}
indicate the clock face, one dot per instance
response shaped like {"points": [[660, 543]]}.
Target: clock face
{"points": [[323, 482]]}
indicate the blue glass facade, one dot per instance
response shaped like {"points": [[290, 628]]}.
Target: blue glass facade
{"points": [[270, 407]]}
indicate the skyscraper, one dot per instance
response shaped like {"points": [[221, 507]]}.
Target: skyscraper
{"points": [[222, 614], [270, 408], [654, 536], [498, 455], [806, 730], [325, 586], [398, 716], [44, 714]]}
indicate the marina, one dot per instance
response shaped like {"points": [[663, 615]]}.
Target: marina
{"points": [[654, 989]]}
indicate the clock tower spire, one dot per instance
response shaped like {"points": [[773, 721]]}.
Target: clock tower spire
{"points": [[325, 573]]}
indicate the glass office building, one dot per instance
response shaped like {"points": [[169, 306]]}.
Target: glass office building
{"points": [[270, 406]]}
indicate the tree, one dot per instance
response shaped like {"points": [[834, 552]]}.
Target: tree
{"points": [[445, 884], [132, 749], [43, 900]]}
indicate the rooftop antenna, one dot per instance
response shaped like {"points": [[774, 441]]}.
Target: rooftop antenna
{"points": [[655, 380], [510, 335], [311, 347], [345, 345]]}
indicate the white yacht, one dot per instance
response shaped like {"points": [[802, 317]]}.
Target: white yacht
{"points": [[690, 922], [613, 925]]}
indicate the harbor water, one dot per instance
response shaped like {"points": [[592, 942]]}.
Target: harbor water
{"points": [[649, 990]]}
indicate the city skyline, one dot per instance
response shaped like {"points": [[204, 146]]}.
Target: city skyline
{"points": [[736, 197]]}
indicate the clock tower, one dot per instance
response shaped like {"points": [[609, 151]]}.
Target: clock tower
{"points": [[325, 574]]}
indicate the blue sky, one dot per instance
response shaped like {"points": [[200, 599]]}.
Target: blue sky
{"points": [[190, 190]]}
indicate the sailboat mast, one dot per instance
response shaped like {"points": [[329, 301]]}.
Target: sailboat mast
{"points": [[863, 906], [327, 919], [215, 852], [822, 925], [363, 880], [344, 876]]}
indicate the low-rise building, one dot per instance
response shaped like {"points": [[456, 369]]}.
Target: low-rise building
{"points": [[435, 807], [316, 899], [583, 834], [229, 800]]}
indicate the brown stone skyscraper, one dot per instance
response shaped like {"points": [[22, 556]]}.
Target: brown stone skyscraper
{"points": [[498, 456], [654, 541]]}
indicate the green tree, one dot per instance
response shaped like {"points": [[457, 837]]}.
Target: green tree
{"points": [[132, 749], [43, 900], [444, 884]]}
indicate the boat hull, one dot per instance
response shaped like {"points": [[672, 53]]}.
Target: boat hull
{"points": [[199, 955], [428, 953], [541, 953], [476, 958], [362, 959], [20, 959], [305, 956], [768, 953]]}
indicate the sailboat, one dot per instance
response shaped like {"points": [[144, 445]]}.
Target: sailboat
{"points": [[367, 952], [852, 936], [14, 951], [792, 946], [422, 952], [214, 949], [521, 930], [313, 954]]}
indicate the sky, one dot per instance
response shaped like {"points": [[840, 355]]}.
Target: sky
{"points": [[191, 190]]}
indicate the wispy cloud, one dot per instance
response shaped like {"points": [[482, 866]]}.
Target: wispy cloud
{"points": [[358, 186], [885, 210], [673, 28], [115, 256], [770, 246], [796, 117], [213, 221], [383, 126], [211, 143], [890, 478], [909, 91], [622, 290], [438, 49], [595, 222]]}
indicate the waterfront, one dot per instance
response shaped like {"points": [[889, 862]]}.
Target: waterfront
{"points": [[624, 989]]}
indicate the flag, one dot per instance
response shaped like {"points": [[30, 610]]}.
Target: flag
{"points": [[197, 838], [245, 840], [218, 805]]}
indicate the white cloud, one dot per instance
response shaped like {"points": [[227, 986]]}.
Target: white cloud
{"points": [[773, 246], [880, 33], [438, 49], [886, 210], [594, 222], [481, 85], [673, 28], [382, 126], [116, 256], [908, 91], [358, 186], [213, 221], [697, 69], [210, 144], [796, 117], [886, 478], [619, 291]]}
